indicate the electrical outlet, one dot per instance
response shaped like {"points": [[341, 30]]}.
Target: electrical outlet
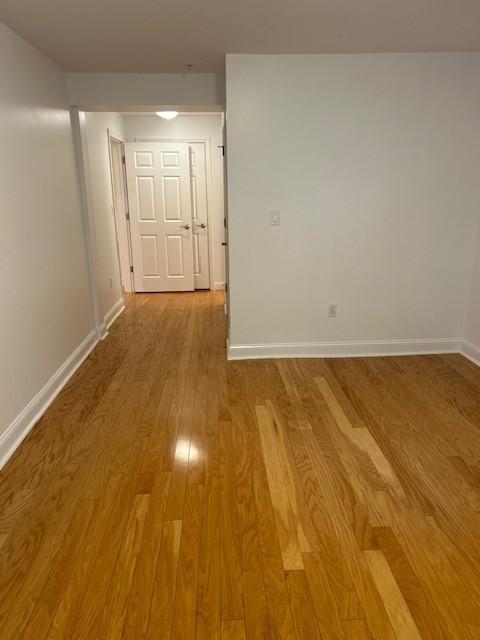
{"points": [[332, 310], [275, 218]]}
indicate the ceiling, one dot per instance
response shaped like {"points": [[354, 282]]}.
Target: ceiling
{"points": [[166, 35]]}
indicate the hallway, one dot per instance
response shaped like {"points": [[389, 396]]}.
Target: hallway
{"points": [[168, 493]]}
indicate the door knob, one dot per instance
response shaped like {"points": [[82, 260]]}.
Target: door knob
{"points": [[202, 225], [184, 226]]}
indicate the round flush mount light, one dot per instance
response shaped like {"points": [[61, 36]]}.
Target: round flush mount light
{"points": [[167, 115]]}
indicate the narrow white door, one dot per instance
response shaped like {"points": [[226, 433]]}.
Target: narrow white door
{"points": [[120, 206], [198, 188], [158, 180]]}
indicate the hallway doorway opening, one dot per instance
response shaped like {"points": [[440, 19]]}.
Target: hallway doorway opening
{"points": [[155, 201]]}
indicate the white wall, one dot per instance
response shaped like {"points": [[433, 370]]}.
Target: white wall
{"points": [[123, 89], [100, 198], [373, 161], [472, 325], [46, 307], [190, 128]]}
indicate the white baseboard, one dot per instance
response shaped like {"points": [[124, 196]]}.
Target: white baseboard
{"points": [[471, 351], [218, 286], [343, 349], [34, 410], [110, 318], [114, 312]]}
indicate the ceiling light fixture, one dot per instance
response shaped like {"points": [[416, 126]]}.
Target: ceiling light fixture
{"points": [[167, 115]]}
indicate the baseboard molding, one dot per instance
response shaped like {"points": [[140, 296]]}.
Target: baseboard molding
{"points": [[34, 410], [343, 349], [110, 318], [218, 286], [471, 351]]}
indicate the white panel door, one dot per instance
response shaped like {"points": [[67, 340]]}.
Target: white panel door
{"points": [[158, 180], [198, 188]]}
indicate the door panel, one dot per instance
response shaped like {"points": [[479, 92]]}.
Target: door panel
{"points": [[171, 198], [146, 197], [149, 251], [198, 189], [158, 178], [119, 190], [174, 256]]}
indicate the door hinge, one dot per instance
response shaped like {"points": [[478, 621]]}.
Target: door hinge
{"points": [[131, 269], [123, 159], [127, 215], [222, 147]]}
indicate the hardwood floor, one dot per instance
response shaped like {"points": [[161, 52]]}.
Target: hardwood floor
{"points": [[168, 493]]}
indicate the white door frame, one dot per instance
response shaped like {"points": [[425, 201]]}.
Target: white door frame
{"points": [[78, 132], [208, 168], [77, 120], [121, 220]]}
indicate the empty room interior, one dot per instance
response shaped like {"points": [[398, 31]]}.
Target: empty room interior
{"points": [[240, 320]]}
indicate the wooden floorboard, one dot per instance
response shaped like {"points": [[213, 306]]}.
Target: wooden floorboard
{"points": [[170, 494]]}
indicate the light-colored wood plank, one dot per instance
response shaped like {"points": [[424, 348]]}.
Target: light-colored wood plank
{"points": [[303, 610], [395, 605], [141, 593], [416, 599], [231, 567], [176, 496], [256, 614], [185, 607], [113, 614], [279, 613], [164, 588], [356, 630], [244, 496], [361, 437], [288, 526], [323, 596], [233, 630], [293, 395], [209, 615]]}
